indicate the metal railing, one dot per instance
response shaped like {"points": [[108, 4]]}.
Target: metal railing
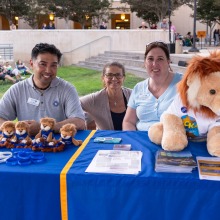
{"points": [[6, 52], [90, 48]]}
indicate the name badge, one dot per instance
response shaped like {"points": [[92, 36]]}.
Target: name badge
{"points": [[144, 96], [33, 101]]}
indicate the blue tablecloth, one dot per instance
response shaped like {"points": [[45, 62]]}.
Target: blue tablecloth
{"points": [[33, 192], [148, 195]]}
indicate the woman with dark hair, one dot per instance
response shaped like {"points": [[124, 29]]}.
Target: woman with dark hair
{"points": [[152, 96], [106, 108]]}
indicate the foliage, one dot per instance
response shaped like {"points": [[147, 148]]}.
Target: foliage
{"points": [[12, 8], [208, 12], [153, 11], [85, 80], [36, 7], [78, 10]]}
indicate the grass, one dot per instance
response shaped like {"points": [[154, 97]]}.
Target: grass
{"points": [[85, 80]]}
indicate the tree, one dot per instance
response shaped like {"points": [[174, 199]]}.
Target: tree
{"points": [[12, 8], [78, 10], [208, 12], [35, 9], [153, 10]]}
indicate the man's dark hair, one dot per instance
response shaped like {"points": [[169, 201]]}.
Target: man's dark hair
{"points": [[45, 48]]}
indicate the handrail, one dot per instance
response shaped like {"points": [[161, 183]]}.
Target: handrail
{"points": [[83, 55], [91, 42], [6, 51]]}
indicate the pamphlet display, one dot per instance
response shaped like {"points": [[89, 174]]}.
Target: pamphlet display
{"points": [[209, 168], [176, 162]]}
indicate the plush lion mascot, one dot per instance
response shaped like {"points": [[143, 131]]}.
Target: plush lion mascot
{"points": [[7, 138], [195, 111], [45, 140], [21, 133], [67, 133]]}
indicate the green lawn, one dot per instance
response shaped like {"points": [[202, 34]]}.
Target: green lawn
{"points": [[85, 80]]}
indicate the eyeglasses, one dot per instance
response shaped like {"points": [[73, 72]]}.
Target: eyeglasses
{"points": [[159, 43], [116, 75]]}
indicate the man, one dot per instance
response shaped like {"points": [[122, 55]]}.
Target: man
{"points": [[164, 25], [143, 25], [43, 94], [50, 25], [103, 25]]}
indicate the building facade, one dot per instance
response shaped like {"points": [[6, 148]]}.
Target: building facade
{"points": [[119, 19]]}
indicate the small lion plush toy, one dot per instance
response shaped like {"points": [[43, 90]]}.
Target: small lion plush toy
{"points": [[195, 111], [44, 140], [67, 133], [21, 132], [7, 138]]}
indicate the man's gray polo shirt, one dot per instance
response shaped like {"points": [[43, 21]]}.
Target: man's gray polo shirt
{"points": [[25, 102]]}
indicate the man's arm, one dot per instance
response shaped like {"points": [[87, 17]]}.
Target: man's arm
{"points": [[34, 126], [2, 120], [80, 124]]}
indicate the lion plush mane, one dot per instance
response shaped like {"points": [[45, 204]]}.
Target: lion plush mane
{"points": [[198, 101], [198, 70]]}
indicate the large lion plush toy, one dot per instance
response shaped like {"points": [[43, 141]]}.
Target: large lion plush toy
{"points": [[195, 111]]}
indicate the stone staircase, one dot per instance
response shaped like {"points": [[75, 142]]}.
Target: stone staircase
{"points": [[133, 61]]}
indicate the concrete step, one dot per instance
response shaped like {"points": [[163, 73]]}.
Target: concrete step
{"points": [[126, 55], [133, 61], [175, 58], [104, 60]]}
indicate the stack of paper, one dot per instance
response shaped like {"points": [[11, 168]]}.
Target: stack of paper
{"points": [[178, 162], [116, 161], [209, 168]]}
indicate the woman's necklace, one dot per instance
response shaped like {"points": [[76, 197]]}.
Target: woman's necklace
{"points": [[114, 100]]}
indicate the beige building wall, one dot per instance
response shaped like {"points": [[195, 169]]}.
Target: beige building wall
{"points": [[77, 45], [183, 21]]}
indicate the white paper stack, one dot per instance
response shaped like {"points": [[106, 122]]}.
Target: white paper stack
{"points": [[116, 161]]}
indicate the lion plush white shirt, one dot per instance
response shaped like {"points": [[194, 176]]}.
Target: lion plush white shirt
{"points": [[195, 123]]}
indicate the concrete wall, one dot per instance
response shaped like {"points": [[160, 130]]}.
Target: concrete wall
{"points": [[183, 21], [78, 45]]}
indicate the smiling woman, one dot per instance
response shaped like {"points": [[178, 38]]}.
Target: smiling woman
{"points": [[106, 108], [152, 96]]}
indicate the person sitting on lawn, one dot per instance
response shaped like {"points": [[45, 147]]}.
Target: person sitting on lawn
{"points": [[4, 76], [12, 72], [22, 68]]}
